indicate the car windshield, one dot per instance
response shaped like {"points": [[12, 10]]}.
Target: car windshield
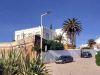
{"points": [[62, 57], [86, 52], [89, 52]]}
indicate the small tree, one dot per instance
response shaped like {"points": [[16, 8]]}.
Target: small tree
{"points": [[59, 38], [91, 42], [13, 40], [51, 26], [37, 46]]}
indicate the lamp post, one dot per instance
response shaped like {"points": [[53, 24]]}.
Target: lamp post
{"points": [[42, 30]]}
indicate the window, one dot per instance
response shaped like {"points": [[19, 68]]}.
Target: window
{"points": [[37, 32], [47, 36], [18, 37], [53, 37], [30, 34], [24, 35]]}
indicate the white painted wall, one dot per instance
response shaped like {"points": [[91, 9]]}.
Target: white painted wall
{"points": [[51, 33], [27, 32], [98, 41], [34, 31], [59, 31]]}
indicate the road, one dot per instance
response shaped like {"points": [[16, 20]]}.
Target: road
{"points": [[80, 66]]}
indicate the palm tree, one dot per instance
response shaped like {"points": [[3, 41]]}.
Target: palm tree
{"points": [[91, 42], [59, 38], [72, 27]]}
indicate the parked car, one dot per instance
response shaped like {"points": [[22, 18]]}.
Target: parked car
{"points": [[87, 54], [64, 59], [97, 52]]}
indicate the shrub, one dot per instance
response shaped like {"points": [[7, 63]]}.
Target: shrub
{"points": [[86, 48], [54, 45], [98, 59], [37, 46], [17, 64], [51, 45]]}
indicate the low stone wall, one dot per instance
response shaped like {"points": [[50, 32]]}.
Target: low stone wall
{"points": [[9, 45]]}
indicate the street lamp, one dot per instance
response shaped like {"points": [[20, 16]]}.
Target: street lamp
{"points": [[42, 30]]}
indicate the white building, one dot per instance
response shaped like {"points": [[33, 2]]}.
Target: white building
{"points": [[84, 45], [98, 41], [48, 34], [95, 46]]}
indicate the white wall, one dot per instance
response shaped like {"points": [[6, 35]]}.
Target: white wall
{"points": [[34, 31], [50, 32], [68, 41], [98, 41], [27, 32]]}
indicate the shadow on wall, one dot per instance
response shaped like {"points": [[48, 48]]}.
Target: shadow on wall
{"points": [[51, 55]]}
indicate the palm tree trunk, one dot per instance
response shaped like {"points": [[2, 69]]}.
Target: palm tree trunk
{"points": [[72, 39], [67, 37]]}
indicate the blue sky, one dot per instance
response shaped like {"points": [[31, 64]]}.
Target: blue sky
{"points": [[23, 14]]}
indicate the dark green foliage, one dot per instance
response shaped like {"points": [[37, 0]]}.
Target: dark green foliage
{"points": [[17, 64], [38, 35], [51, 45], [59, 38], [98, 59], [13, 40], [86, 48], [37, 48], [91, 42], [44, 42], [54, 45], [51, 26]]}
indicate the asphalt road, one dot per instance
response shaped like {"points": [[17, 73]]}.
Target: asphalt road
{"points": [[80, 66]]}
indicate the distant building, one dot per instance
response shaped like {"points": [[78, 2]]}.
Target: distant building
{"points": [[84, 45], [96, 46], [98, 41]]}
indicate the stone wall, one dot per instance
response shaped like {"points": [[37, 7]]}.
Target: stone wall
{"points": [[20, 44]]}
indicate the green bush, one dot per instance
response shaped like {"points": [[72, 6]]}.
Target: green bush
{"points": [[86, 48], [37, 48], [51, 45], [54, 45], [98, 59], [17, 64]]}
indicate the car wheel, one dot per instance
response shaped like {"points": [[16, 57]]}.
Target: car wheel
{"points": [[71, 60], [64, 61]]}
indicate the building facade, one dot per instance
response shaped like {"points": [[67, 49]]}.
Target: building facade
{"points": [[47, 33]]}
